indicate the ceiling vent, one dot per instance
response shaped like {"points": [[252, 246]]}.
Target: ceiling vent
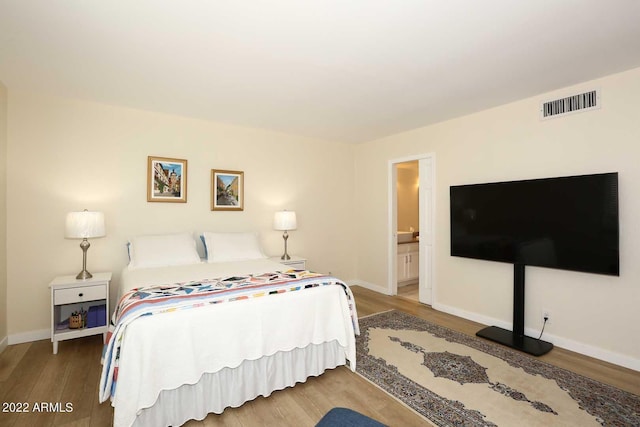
{"points": [[572, 104]]}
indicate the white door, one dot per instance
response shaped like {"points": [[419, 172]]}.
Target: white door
{"points": [[426, 171], [425, 166]]}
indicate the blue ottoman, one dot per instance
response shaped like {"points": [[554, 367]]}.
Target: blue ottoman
{"points": [[344, 417]]}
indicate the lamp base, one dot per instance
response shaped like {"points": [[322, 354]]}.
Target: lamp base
{"points": [[83, 275], [285, 236]]}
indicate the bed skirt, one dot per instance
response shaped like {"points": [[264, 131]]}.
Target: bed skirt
{"points": [[232, 387]]}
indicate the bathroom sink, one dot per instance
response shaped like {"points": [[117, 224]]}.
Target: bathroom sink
{"points": [[405, 236]]}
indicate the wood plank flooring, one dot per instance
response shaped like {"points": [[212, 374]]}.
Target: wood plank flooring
{"points": [[31, 374], [409, 291]]}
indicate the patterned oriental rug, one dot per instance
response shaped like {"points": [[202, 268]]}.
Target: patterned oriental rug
{"points": [[453, 379]]}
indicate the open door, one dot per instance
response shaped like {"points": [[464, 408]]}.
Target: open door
{"points": [[426, 230], [398, 265]]}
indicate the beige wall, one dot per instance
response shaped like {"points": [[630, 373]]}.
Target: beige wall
{"points": [[3, 216], [593, 314], [67, 155], [407, 192]]}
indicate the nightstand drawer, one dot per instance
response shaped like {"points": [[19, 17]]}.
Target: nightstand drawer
{"points": [[297, 265], [296, 262], [79, 294]]}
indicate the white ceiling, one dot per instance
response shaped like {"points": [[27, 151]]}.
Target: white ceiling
{"points": [[343, 70]]}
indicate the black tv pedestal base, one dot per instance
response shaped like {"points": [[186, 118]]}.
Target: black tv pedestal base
{"points": [[519, 342]]}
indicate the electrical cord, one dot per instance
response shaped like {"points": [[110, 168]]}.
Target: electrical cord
{"points": [[543, 325]]}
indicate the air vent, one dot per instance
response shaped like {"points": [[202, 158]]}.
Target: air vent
{"points": [[571, 104]]}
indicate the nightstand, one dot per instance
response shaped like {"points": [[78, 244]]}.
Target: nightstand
{"points": [[295, 262], [69, 295]]}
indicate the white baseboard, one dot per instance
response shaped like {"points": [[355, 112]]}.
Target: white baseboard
{"points": [[595, 352], [42, 334], [568, 344], [370, 286], [475, 317], [4, 342]]}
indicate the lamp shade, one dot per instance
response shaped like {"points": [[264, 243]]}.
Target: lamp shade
{"points": [[84, 225], [285, 220]]}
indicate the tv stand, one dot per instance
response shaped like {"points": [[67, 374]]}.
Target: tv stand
{"points": [[516, 338]]}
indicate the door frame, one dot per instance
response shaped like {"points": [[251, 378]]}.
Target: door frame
{"points": [[427, 164]]}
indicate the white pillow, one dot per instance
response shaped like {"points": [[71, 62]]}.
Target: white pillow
{"points": [[163, 250], [226, 247]]}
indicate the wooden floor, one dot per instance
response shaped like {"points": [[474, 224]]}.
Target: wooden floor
{"points": [[30, 374], [409, 291]]}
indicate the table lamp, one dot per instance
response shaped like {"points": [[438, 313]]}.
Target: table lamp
{"points": [[285, 221], [84, 225]]}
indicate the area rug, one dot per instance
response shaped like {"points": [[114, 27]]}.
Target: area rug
{"points": [[453, 379]]}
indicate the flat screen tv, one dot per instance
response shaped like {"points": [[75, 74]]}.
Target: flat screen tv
{"points": [[568, 223]]}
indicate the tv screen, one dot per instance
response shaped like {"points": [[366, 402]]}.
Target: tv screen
{"points": [[569, 223]]}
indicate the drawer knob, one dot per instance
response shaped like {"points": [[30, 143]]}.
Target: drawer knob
{"points": [[80, 294]]}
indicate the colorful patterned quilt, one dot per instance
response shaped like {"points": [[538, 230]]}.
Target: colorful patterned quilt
{"points": [[161, 299]]}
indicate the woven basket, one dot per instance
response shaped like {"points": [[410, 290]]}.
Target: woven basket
{"points": [[75, 322]]}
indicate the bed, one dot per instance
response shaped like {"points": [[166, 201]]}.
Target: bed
{"points": [[198, 336]]}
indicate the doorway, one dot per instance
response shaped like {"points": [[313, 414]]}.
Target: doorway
{"points": [[411, 183]]}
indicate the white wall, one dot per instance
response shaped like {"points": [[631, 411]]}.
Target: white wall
{"points": [[67, 155], [593, 314], [3, 217]]}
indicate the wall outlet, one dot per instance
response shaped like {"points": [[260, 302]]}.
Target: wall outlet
{"points": [[546, 314]]}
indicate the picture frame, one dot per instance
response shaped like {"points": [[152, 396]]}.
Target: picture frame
{"points": [[166, 180], [227, 190]]}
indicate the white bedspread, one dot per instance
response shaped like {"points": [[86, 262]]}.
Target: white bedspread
{"points": [[166, 351]]}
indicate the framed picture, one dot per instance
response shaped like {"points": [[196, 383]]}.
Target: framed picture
{"points": [[166, 180], [227, 190]]}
